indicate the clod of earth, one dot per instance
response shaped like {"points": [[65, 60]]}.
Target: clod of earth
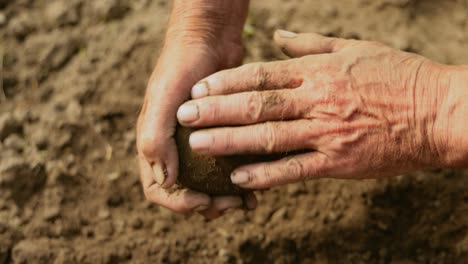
{"points": [[210, 175]]}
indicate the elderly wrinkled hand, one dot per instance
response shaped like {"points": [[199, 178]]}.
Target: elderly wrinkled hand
{"points": [[191, 51], [345, 108]]}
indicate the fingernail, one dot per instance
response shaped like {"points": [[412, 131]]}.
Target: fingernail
{"points": [[200, 90], [188, 113], [286, 34], [200, 208], [159, 174], [240, 177], [200, 141]]}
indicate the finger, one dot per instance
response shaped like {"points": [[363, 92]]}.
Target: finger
{"points": [[160, 155], [250, 77], [250, 201], [242, 109], [298, 45], [155, 129], [166, 91], [287, 170], [265, 138], [220, 205], [180, 200]]}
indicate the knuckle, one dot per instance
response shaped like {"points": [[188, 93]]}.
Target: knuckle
{"points": [[295, 168], [148, 195], [269, 178], [266, 176], [263, 76], [268, 137], [227, 85], [255, 107], [228, 141], [147, 146]]}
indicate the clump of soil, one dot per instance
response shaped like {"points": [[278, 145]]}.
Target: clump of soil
{"points": [[210, 175]]}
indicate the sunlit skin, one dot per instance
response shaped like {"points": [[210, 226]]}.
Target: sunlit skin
{"points": [[203, 37], [353, 109]]}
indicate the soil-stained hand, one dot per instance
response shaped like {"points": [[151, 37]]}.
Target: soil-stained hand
{"points": [[346, 108], [196, 46]]}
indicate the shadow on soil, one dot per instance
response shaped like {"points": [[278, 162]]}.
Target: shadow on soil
{"points": [[406, 221]]}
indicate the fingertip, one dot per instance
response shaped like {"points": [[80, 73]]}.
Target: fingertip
{"points": [[200, 141], [220, 205], [282, 43], [241, 177], [284, 34], [229, 202], [196, 201], [169, 182], [200, 90], [172, 166], [188, 113], [276, 36], [159, 173], [250, 201]]}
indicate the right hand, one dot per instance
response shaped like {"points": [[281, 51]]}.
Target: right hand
{"points": [[181, 65]]}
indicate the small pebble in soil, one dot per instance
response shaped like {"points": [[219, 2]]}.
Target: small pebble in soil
{"points": [[3, 19], [113, 176], [15, 142], [9, 125], [40, 138], [109, 9], [137, 223]]}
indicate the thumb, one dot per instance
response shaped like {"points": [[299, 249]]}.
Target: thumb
{"points": [[298, 45]]}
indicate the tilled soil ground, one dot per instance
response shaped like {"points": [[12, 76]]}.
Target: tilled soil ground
{"points": [[73, 74]]}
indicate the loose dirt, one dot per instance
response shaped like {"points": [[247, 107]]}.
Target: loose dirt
{"points": [[74, 76]]}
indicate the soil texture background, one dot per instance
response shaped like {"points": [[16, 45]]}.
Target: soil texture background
{"points": [[73, 75]]}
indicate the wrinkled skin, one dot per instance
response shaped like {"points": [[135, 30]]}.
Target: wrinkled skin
{"points": [[351, 109], [196, 45], [354, 109]]}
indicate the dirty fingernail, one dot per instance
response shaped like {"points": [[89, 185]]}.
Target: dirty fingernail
{"points": [[286, 34], [200, 208], [200, 141], [240, 177], [159, 174], [200, 90], [188, 113]]}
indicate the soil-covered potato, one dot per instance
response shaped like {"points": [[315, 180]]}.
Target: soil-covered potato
{"points": [[210, 175]]}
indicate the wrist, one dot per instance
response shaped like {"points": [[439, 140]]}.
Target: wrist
{"points": [[451, 122], [207, 22]]}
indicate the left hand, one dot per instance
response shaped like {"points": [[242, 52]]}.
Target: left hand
{"points": [[355, 109]]}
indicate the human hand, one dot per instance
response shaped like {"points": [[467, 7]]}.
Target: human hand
{"points": [[191, 52], [354, 109]]}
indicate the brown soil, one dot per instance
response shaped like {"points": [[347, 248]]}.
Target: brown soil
{"points": [[210, 175], [74, 73]]}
